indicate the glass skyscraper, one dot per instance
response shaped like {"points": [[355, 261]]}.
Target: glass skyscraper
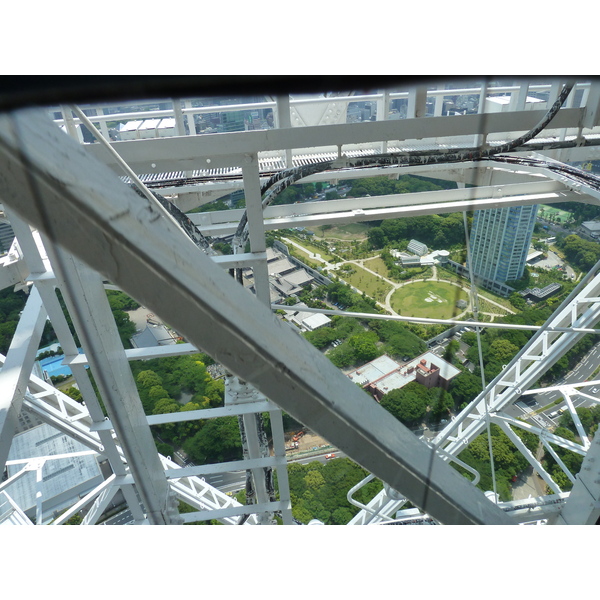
{"points": [[500, 239]]}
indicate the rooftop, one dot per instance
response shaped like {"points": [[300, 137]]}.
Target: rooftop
{"points": [[58, 475], [388, 375]]}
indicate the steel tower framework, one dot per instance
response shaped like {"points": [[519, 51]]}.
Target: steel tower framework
{"points": [[79, 224]]}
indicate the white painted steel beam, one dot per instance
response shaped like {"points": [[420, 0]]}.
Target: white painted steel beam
{"points": [[522, 448], [233, 511], [518, 376], [164, 270], [83, 502], [77, 423], [191, 152], [583, 505], [427, 321], [324, 217], [228, 467], [230, 410], [16, 369], [95, 325], [100, 504]]}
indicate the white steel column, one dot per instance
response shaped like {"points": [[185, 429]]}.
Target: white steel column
{"points": [[568, 104], [190, 118], [179, 126], [417, 102], [383, 111], [518, 99], [480, 138], [438, 107], [155, 262], [102, 123], [583, 504], [70, 124], [283, 120], [46, 282], [89, 309], [254, 445], [256, 227], [16, 370]]}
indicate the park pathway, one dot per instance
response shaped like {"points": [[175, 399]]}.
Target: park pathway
{"points": [[386, 304]]}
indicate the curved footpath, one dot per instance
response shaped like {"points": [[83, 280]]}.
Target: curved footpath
{"points": [[395, 285]]}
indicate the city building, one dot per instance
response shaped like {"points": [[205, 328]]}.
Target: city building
{"points": [[591, 228], [500, 239], [63, 480], [537, 294], [287, 276], [427, 259], [7, 235], [382, 375], [307, 321], [417, 248], [153, 335]]}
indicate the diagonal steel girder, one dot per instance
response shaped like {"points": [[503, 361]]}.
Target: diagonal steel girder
{"points": [[558, 335], [580, 309], [73, 419], [79, 204]]}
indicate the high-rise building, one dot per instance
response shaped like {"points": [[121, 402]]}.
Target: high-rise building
{"points": [[500, 240]]}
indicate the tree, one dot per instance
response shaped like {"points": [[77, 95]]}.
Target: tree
{"points": [[405, 345], [125, 326], [215, 392], [217, 441], [342, 356], [502, 350], [156, 393], [517, 301], [321, 337], [148, 379], [441, 403], [465, 387], [314, 479], [121, 301], [308, 189], [165, 406], [364, 345], [376, 237], [451, 349], [408, 404], [74, 393], [469, 338]]}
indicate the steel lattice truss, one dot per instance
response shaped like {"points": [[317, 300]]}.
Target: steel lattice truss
{"points": [[74, 233]]}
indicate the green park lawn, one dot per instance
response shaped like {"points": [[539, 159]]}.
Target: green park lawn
{"points": [[377, 265], [315, 250], [546, 212], [351, 231], [411, 300], [367, 282]]}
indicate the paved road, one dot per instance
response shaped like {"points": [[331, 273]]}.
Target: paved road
{"points": [[236, 480], [395, 285], [123, 518]]}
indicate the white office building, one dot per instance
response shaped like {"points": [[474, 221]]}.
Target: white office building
{"points": [[500, 241]]}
